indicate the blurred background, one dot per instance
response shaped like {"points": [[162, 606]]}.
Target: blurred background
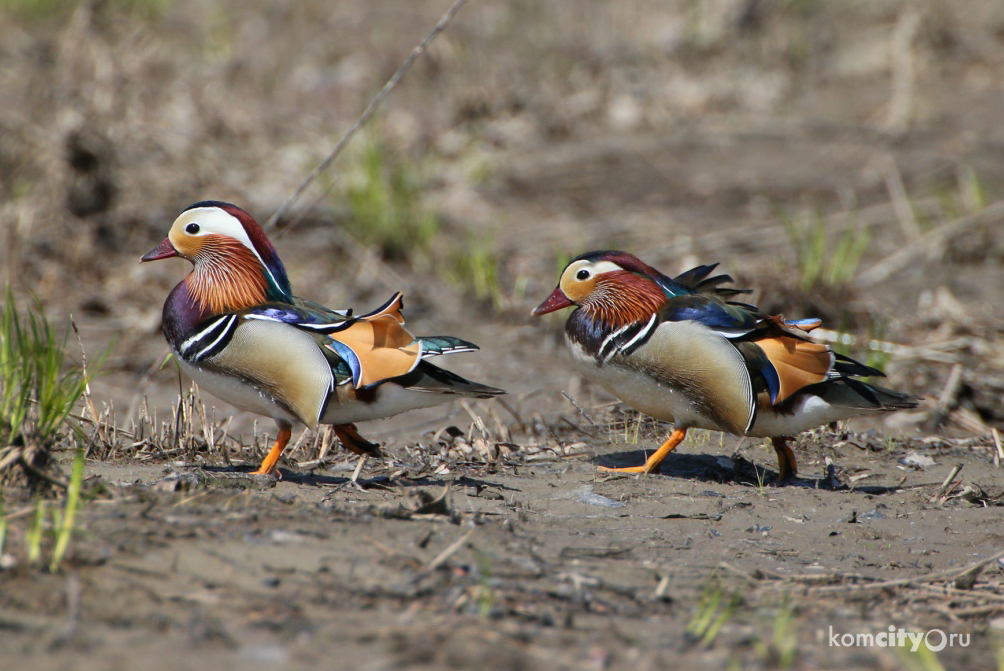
{"points": [[844, 159]]}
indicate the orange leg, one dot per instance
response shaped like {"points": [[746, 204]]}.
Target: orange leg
{"points": [[350, 439], [268, 465], [652, 463], [786, 466]]}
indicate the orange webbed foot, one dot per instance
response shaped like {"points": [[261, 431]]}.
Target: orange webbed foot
{"points": [[268, 464], [626, 469], [652, 463]]}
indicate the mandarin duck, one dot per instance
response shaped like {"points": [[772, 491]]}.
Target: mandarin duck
{"points": [[236, 328], [678, 350]]}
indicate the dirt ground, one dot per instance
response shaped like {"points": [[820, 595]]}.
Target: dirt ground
{"points": [[542, 565], [686, 132]]}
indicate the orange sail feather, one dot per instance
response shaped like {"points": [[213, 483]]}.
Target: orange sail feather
{"points": [[798, 363]]}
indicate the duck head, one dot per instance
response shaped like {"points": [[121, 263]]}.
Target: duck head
{"points": [[235, 265], [615, 287]]}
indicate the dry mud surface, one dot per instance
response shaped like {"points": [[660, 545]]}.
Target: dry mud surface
{"points": [[685, 132], [547, 564]]}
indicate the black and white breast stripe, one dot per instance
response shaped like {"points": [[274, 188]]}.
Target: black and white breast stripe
{"points": [[627, 339], [210, 339]]}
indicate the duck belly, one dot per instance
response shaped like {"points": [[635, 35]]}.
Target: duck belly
{"points": [[238, 393], [644, 393]]}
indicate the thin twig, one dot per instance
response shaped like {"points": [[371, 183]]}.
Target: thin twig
{"points": [[42, 474], [443, 23], [158, 363], [949, 393], [739, 572], [946, 575], [999, 454], [947, 484], [977, 611], [951, 388], [88, 400], [325, 444], [661, 588], [959, 594], [448, 552], [358, 469], [581, 411], [900, 201], [477, 422], [930, 241], [904, 71]]}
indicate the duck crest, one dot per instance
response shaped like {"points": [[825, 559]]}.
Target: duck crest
{"points": [[227, 277], [628, 262]]}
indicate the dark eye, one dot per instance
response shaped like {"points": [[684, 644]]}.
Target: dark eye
{"points": [[192, 229], [582, 274]]}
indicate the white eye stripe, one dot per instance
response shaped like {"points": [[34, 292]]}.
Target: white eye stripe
{"points": [[594, 268], [215, 220]]}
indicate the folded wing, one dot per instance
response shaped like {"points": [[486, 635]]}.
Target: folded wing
{"points": [[779, 354]]}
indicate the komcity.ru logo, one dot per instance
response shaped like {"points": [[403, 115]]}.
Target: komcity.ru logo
{"points": [[934, 639]]}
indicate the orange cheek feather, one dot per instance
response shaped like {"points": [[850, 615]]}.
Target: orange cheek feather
{"points": [[227, 275]]}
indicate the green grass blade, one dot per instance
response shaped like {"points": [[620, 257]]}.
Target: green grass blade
{"points": [[924, 659], [719, 622], [33, 535], [37, 390], [3, 526], [72, 502]]}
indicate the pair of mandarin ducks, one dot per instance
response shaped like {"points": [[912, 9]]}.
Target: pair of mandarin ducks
{"points": [[676, 349]]}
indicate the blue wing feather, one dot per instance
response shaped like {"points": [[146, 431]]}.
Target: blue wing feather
{"points": [[307, 316], [713, 312], [287, 315], [346, 354], [773, 381]]}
